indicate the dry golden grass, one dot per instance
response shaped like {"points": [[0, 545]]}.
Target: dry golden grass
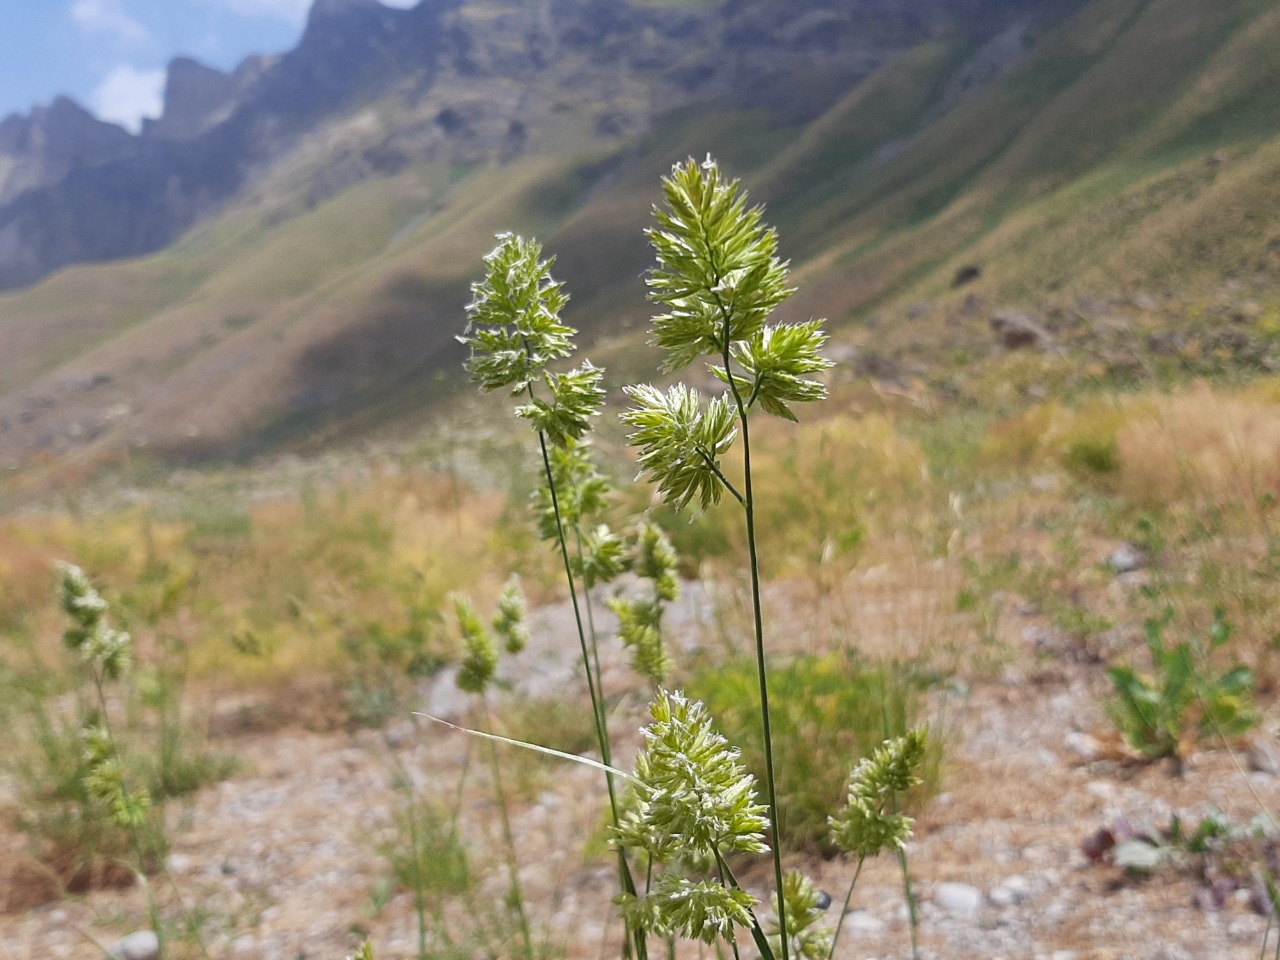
{"points": [[267, 590], [1203, 445]]}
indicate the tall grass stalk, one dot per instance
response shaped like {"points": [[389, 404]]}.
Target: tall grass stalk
{"points": [[514, 332], [719, 277], [508, 838], [108, 655], [762, 670], [427, 869]]}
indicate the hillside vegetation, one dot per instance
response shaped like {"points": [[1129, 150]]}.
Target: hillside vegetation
{"points": [[1133, 149]]}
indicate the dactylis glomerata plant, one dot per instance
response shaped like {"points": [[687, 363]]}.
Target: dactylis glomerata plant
{"points": [[107, 652], [718, 280], [515, 334], [477, 672]]}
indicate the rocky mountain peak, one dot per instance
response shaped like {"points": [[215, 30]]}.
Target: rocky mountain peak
{"points": [[45, 145], [195, 98], [472, 81]]}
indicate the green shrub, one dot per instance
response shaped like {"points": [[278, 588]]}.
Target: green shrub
{"points": [[827, 711], [1092, 455], [1159, 713], [426, 854], [92, 767], [386, 663]]}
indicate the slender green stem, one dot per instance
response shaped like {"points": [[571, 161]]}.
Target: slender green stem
{"points": [[715, 468], [442, 927], [913, 914], [761, 668], [419, 894], [757, 931], [513, 870], [135, 839], [848, 897], [597, 700], [591, 628]]}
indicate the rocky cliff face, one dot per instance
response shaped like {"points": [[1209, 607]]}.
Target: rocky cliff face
{"points": [[44, 147], [471, 80]]}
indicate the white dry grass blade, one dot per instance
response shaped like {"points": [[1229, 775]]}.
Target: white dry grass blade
{"points": [[537, 748]]}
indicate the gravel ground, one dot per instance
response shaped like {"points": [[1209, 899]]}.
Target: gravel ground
{"points": [[282, 859]]}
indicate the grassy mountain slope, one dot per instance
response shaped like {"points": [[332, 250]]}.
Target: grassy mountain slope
{"points": [[1135, 146]]}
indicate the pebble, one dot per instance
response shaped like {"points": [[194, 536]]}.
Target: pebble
{"points": [[1084, 747], [179, 863], [141, 945], [1011, 891], [863, 921], [957, 897], [1264, 757], [1125, 558]]}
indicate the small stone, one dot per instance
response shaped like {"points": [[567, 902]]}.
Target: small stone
{"points": [[864, 922], [179, 863], [1264, 757], [1016, 330], [1134, 579], [1011, 891], [1084, 747], [142, 945], [957, 897], [1125, 558]]}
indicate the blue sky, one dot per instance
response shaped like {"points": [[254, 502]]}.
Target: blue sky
{"points": [[110, 55]]}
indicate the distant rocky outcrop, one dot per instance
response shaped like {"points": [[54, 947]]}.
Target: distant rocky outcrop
{"points": [[196, 98], [467, 81], [45, 146]]}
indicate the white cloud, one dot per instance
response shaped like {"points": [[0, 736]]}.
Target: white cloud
{"points": [[108, 17], [402, 4], [127, 94]]}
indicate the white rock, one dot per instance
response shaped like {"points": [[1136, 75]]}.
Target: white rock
{"points": [[863, 921], [1264, 757], [1125, 558], [1083, 746], [142, 945], [1013, 890], [957, 897], [179, 863]]}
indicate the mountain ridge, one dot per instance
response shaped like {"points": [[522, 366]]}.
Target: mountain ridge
{"points": [[322, 299], [453, 64]]}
